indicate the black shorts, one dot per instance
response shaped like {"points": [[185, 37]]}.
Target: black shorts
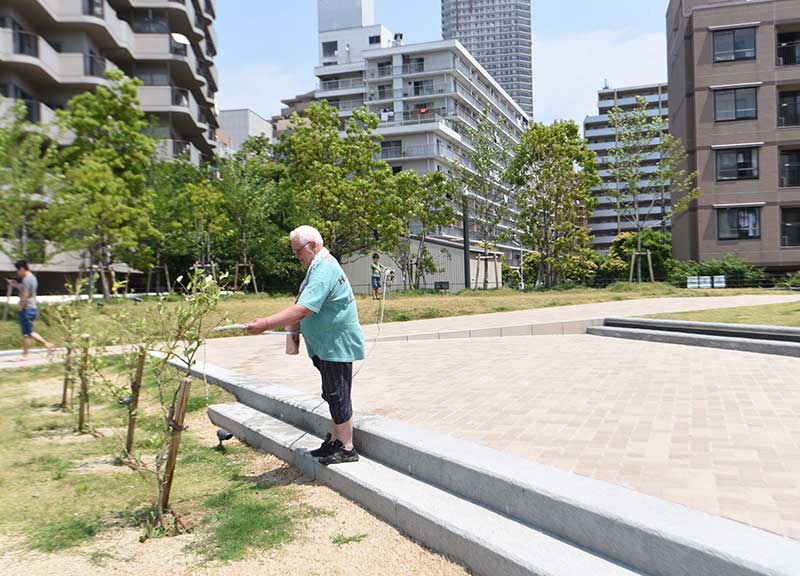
{"points": [[337, 380]]}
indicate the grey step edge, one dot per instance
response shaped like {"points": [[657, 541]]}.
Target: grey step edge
{"points": [[485, 542], [773, 347], [753, 331], [633, 529]]}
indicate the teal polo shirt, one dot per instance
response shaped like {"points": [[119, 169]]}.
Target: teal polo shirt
{"points": [[332, 332]]}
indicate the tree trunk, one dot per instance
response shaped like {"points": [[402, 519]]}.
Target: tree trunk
{"points": [[485, 266], [177, 411]]}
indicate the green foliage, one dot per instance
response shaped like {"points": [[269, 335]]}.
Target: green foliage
{"points": [[553, 172], [27, 164], [342, 540], [792, 280], [658, 243], [737, 271], [261, 208], [338, 184], [426, 207], [63, 533], [245, 518], [102, 205]]}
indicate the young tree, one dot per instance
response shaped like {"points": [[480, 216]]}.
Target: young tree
{"points": [[261, 207], [479, 179], [427, 207], [27, 162], [103, 205], [338, 182], [553, 172], [637, 193]]}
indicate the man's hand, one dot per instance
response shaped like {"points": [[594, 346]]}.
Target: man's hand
{"points": [[258, 326], [13, 282]]}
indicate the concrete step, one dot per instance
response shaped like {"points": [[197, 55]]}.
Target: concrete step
{"points": [[633, 529], [759, 346], [751, 331], [482, 540]]}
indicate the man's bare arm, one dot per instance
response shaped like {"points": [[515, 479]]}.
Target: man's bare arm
{"points": [[286, 317]]}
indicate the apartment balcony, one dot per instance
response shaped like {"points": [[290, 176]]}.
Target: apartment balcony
{"points": [[347, 106], [509, 112], [788, 45], [179, 103], [340, 86], [96, 14], [407, 152], [33, 54], [789, 174], [168, 149], [35, 111], [410, 92]]}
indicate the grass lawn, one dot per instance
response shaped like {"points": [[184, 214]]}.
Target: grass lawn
{"points": [[399, 306], [59, 490], [773, 315]]}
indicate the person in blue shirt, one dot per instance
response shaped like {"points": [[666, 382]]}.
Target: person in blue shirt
{"points": [[328, 317]]}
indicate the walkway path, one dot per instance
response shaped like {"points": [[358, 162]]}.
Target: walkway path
{"points": [[712, 429]]}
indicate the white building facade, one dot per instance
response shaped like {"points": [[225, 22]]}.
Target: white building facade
{"points": [[425, 94], [607, 222], [236, 126]]}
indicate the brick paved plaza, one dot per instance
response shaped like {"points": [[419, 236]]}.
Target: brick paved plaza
{"points": [[712, 429]]}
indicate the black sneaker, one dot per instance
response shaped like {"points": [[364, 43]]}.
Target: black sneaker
{"points": [[339, 455], [325, 447]]}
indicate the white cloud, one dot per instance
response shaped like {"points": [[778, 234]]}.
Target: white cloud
{"points": [[569, 69], [261, 87]]}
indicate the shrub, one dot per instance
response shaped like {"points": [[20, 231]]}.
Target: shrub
{"points": [[792, 280], [737, 271]]}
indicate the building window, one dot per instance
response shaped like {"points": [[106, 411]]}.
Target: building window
{"points": [[738, 164], [790, 168], [790, 227], [739, 44], [374, 40], [737, 104], [789, 109], [329, 49], [423, 87], [397, 169], [150, 22], [738, 223]]}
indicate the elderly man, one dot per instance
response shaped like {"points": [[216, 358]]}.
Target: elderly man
{"points": [[326, 311]]}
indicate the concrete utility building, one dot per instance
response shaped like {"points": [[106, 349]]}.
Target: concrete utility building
{"points": [[734, 100], [606, 221], [51, 50], [498, 34], [239, 125], [425, 94]]}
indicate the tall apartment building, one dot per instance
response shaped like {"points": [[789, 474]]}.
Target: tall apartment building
{"points": [[734, 86], [498, 34], [425, 94], [52, 50], [607, 222]]}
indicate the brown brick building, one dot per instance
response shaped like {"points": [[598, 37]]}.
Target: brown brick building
{"points": [[734, 100]]}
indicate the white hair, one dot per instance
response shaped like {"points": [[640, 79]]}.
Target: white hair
{"points": [[306, 234]]}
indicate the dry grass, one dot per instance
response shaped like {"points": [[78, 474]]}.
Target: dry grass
{"points": [[399, 307], [773, 315]]}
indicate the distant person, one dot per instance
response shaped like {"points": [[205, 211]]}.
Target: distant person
{"points": [[28, 308], [377, 272], [328, 317]]}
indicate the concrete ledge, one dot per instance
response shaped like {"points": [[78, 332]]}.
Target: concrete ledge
{"points": [[484, 541], [645, 533], [752, 331], [701, 340], [543, 329]]}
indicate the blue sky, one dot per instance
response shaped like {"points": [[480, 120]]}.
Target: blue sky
{"points": [[267, 48]]}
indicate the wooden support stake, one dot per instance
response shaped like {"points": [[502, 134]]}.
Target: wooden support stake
{"points": [[136, 386], [177, 427], [9, 292], [650, 264], [83, 412], [633, 260], [68, 380]]}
